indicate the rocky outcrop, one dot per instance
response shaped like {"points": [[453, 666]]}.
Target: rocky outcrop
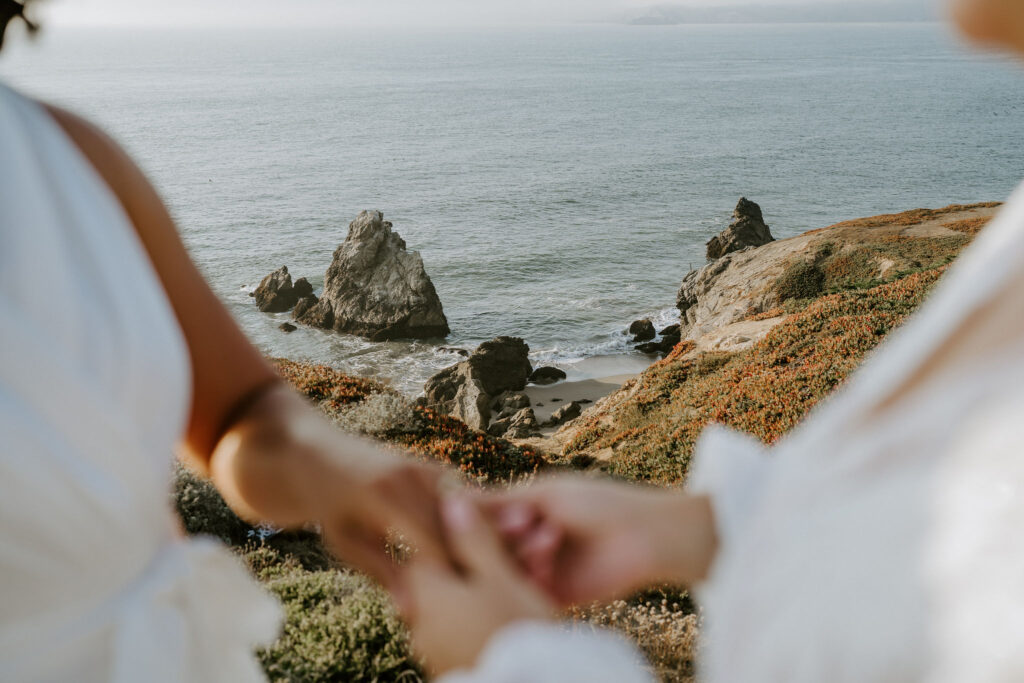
{"points": [[521, 425], [509, 403], [547, 375], [302, 289], [642, 330], [747, 229], [466, 390], [304, 304], [377, 289], [471, 404], [731, 304], [670, 336], [569, 411], [276, 293]]}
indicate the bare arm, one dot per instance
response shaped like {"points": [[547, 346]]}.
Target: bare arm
{"points": [[226, 369]]}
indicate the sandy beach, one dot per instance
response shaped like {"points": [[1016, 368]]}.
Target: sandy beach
{"points": [[547, 400]]}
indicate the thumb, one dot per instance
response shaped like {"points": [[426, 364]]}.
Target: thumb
{"points": [[475, 545]]}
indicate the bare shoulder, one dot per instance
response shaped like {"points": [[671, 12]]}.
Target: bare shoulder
{"points": [[225, 367], [106, 156]]}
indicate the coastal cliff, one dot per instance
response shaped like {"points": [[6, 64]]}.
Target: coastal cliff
{"points": [[767, 333]]}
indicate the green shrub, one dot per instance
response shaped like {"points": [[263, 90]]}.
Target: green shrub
{"points": [[800, 280], [203, 511], [339, 626]]}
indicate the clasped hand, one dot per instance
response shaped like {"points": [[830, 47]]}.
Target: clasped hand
{"points": [[522, 553]]}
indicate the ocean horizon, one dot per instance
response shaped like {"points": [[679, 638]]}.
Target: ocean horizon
{"points": [[558, 182]]}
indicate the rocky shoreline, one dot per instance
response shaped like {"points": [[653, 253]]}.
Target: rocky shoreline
{"points": [[377, 289]]}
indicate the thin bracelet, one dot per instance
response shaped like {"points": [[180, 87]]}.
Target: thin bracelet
{"points": [[243, 405]]}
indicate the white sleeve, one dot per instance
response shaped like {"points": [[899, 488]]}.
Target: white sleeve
{"points": [[544, 652], [975, 560], [729, 467]]}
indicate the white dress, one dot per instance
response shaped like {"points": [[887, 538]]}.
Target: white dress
{"points": [[881, 541], [96, 582]]}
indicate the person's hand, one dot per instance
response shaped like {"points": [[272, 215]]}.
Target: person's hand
{"points": [[366, 495], [583, 539], [283, 463], [454, 611]]}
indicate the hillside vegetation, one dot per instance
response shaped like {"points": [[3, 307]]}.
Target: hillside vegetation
{"points": [[841, 291]]}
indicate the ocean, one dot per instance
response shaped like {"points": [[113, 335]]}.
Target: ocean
{"points": [[558, 182]]}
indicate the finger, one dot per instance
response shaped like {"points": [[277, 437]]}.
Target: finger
{"points": [[525, 494], [539, 552], [423, 582], [408, 502], [475, 544], [516, 518], [365, 552]]}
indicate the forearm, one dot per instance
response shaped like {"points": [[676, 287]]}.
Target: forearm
{"points": [[273, 459], [682, 534]]}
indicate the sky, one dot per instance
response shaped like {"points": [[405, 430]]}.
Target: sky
{"points": [[369, 13]]}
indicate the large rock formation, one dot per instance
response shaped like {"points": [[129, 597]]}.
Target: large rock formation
{"points": [[467, 389], [747, 229], [376, 289], [276, 293]]}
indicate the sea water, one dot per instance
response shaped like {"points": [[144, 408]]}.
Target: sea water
{"points": [[558, 182]]}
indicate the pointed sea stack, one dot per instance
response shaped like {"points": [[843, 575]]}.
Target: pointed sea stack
{"points": [[376, 289], [747, 229]]}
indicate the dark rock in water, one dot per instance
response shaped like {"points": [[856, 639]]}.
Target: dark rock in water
{"points": [[452, 349], [521, 425], [304, 304], [539, 405], [570, 411], [642, 330], [670, 336], [584, 401], [302, 288], [376, 289], [747, 229], [649, 347], [466, 390], [556, 400], [317, 316], [546, 375], [275, 293], [287, 327]]}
